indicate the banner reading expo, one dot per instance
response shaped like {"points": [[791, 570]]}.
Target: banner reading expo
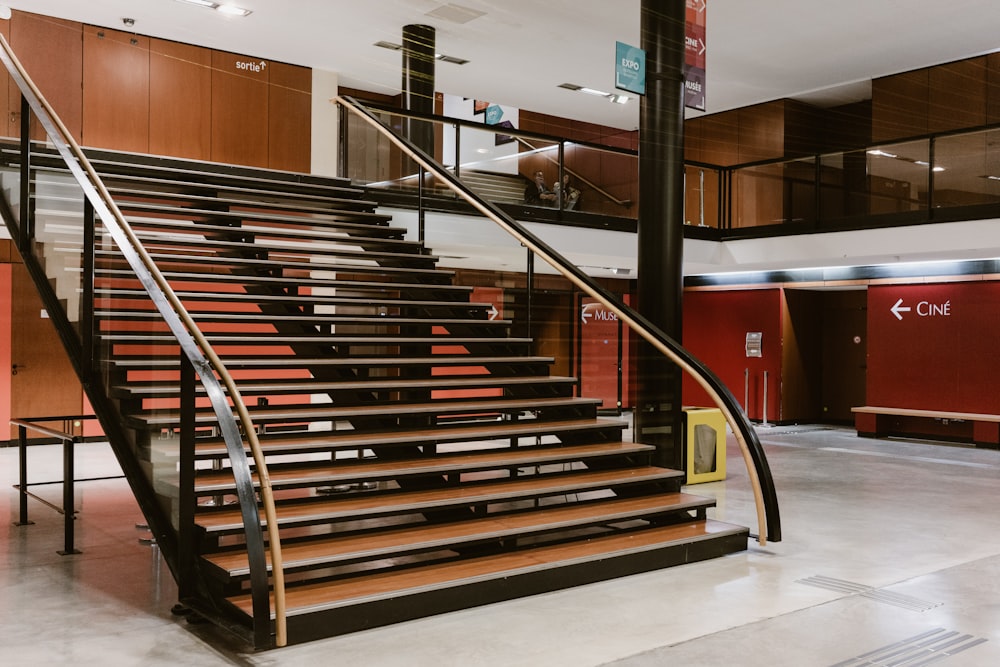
{"points": [[630, 61], [694, 55]]}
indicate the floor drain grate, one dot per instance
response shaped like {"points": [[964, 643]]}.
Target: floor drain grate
{"points": [[849, 587], [923, 649]]}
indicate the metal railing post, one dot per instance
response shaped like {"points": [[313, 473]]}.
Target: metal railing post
{"points": [[69, 498], [746, 390], [22, 475], [26, 229]]}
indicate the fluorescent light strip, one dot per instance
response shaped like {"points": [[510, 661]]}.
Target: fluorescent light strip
{"points": [[229, 10]]}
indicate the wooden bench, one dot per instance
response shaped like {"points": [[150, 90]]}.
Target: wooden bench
{"points": [[875, 422]]}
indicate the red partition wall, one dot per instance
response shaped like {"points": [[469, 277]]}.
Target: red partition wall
{"points": [[599, 329], [934, 347], [5, 351], [715, 330]]}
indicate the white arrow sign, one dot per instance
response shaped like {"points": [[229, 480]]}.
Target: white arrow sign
{"points": [[493, 312], [900, 308]]}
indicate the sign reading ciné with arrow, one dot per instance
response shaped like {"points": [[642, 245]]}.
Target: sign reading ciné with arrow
{"points": [[924, 309]]}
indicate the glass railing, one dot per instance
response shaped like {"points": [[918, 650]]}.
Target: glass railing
{"points": [[915, 180], [134, 344], [546, 177]]}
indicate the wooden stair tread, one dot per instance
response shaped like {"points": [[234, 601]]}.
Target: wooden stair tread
{"points": [[348, 470], [168, 259], [295, 361], [260, 179], [423, 537], [254, 193], [158, 241], [354, 506], [329, 340], [127, 193], [355, 590], [288, 281], [445, 382], [364, 301], [112, 293], [333, 318], [326, 411], [374, 440], [330, 215], [190, 221]]}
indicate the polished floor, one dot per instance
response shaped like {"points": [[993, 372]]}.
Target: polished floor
{"points": [[891, 556]]}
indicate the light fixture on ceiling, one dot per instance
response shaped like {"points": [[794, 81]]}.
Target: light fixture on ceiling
{"points": [[878, 152], [392, 46], [227, 9], [616, 98]]}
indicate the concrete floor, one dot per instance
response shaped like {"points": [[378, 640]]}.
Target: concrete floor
{"points": [[891, 556]]}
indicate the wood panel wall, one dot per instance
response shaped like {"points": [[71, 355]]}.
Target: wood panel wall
{"points": [[51, 50], [122, 91], [115, 90], [239, 109], [180, 125]]}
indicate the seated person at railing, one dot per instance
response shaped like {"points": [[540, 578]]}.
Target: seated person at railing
{"points": [[538, 193], [571, 195]]}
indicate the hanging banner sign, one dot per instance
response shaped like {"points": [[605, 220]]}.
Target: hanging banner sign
{"points": [[630, 68], [694, 55]]}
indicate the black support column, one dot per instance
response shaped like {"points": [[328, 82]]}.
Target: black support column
{"points": [[418, 82], [658, 416]]}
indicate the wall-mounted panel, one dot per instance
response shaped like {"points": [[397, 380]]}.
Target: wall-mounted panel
{"points": [[762, 132], [115, 90], [180, 100], [716, 325], [289, 108], [899, 105], [720, 137], [933, 347], [957, 95], [993, 88], [239, 109], [51, 50]]}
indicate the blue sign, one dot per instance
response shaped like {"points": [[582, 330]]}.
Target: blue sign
{"points": [[630, 68], [493, 114]]}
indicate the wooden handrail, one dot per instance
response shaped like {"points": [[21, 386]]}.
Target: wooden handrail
{"points": [[106, 204], [767, 529]]}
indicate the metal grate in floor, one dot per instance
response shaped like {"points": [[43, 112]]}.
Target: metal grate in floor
{"points": [[923, 649], [849, 587]]}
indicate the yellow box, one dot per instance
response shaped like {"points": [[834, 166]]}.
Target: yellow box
{"points": [[705, 432]]}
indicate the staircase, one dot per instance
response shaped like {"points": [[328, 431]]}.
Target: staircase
{"points": [[422, 459]]}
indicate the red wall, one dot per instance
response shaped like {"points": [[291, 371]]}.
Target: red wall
{"points": [[715, 329], [599, 355], [940, 358], [5, 351]]}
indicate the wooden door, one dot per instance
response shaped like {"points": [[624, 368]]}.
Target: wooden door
{"points": [[43, 382]]}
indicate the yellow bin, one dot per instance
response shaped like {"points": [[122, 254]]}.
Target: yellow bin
{"points": [[705, 430]]}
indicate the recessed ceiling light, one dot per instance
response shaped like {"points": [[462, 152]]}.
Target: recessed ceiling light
{"points": [[614, 97], [233, 10], [392, 46], [230, 10]]}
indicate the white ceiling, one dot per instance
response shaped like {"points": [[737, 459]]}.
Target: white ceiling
{"points": [[521, 50]]}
